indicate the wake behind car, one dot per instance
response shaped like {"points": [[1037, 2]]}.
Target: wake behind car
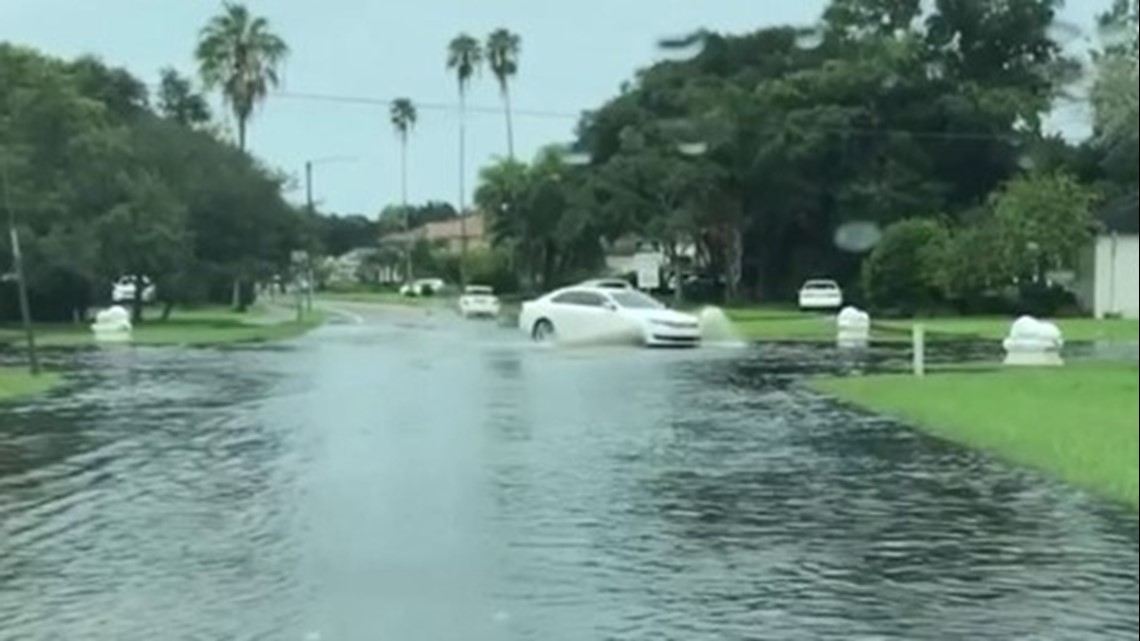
{"points": [[479, 301], [599, 315]]}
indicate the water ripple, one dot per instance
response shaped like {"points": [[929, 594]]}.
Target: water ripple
{"points": [[440, 481]]}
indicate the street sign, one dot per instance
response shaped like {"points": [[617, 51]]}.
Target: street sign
{"points": [[648, 267]]}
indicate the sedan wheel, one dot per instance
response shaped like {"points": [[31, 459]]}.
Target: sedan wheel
{"points": [[543, 332]]}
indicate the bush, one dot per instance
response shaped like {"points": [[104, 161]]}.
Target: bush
{"points": [[491, 267], [1045, 300], [901, 275]]}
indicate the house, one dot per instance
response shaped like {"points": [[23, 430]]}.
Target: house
{"points": [[446, 234], [348, 269], [627, 254], [1106, 283], [450, 233]]}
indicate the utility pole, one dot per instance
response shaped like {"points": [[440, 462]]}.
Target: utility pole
{"points": [[463, 188], [408, 244], [18, 268], [308, 269]]}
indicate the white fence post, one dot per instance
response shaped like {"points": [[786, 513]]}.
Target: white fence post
{"points": [[919, 336]]}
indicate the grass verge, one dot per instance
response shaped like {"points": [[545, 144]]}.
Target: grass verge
{"points": [[191, 327], [1078, 423], [18, 383], [761, 323]]}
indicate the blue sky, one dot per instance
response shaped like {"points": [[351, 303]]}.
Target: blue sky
{"points": [[573, 59]]}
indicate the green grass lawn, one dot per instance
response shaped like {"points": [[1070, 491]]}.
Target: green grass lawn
{"points": [[775, 324], [1078, 423], [1074, 329], [191, 327], [18, 383]]}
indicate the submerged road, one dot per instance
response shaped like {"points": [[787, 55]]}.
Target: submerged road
{"points": [[412, 477]]}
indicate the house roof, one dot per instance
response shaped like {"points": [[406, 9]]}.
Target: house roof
{"points": [[455, 229], [1122, 216]]}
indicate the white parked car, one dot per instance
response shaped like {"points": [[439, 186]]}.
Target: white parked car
{"points": [[479, 301], [423, 287], [821, 294], [597, 315], [123, 290]]}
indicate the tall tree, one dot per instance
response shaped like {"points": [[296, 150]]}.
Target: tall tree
{"points": [[239, 54], [464, 58], [1115, 92], [503, 48], [178, 102], [403, 117]]}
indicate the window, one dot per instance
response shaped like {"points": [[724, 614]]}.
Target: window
{"points": [[636, 300], [584, 299]]}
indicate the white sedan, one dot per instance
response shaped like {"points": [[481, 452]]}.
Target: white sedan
{"points": [[821, 295], [479, 301], [599, 315]]}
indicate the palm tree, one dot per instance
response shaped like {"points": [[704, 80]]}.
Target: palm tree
{"points": [[503, 49], [403, 116], [239, 54], [464, 57]]}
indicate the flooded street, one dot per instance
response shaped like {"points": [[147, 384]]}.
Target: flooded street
{"points": [[425, 479]]}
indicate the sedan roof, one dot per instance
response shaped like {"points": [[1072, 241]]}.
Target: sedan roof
{"points": [[605, 283]]}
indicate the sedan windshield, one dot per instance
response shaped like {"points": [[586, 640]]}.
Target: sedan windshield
{"points": [[636, 300]]}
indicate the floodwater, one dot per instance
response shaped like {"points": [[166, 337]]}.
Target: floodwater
{"points": [[422, 479]]}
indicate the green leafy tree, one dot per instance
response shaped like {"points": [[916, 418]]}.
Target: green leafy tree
{"points": [[105, 188], [143, 236], [1115, 93], [1045, 220], [177, 101], [503, 49], [239, 54], [901, 276]]}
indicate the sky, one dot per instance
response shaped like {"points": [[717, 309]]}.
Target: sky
{"points": [[575, 56]]}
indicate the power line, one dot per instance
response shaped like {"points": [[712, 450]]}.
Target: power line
{"points": [[425, 106], [453, 107], [563, 115]]}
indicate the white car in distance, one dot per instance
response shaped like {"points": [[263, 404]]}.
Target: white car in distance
{"points": [[423, 287], [479, 301], [123, 290], [821, 295], [600, 315]]}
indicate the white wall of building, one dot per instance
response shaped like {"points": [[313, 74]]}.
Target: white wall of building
{"points": [[1116, 286]]}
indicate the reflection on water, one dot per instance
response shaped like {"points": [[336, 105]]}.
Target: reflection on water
{"points": [[428, 480]]}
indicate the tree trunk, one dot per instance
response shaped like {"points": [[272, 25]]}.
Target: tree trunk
{"points": [[167, 310], [510, 122], [733, 258], [463, 185], [408, 268], [679, 286], [241, 125], [137, 303], [235, 295]]}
